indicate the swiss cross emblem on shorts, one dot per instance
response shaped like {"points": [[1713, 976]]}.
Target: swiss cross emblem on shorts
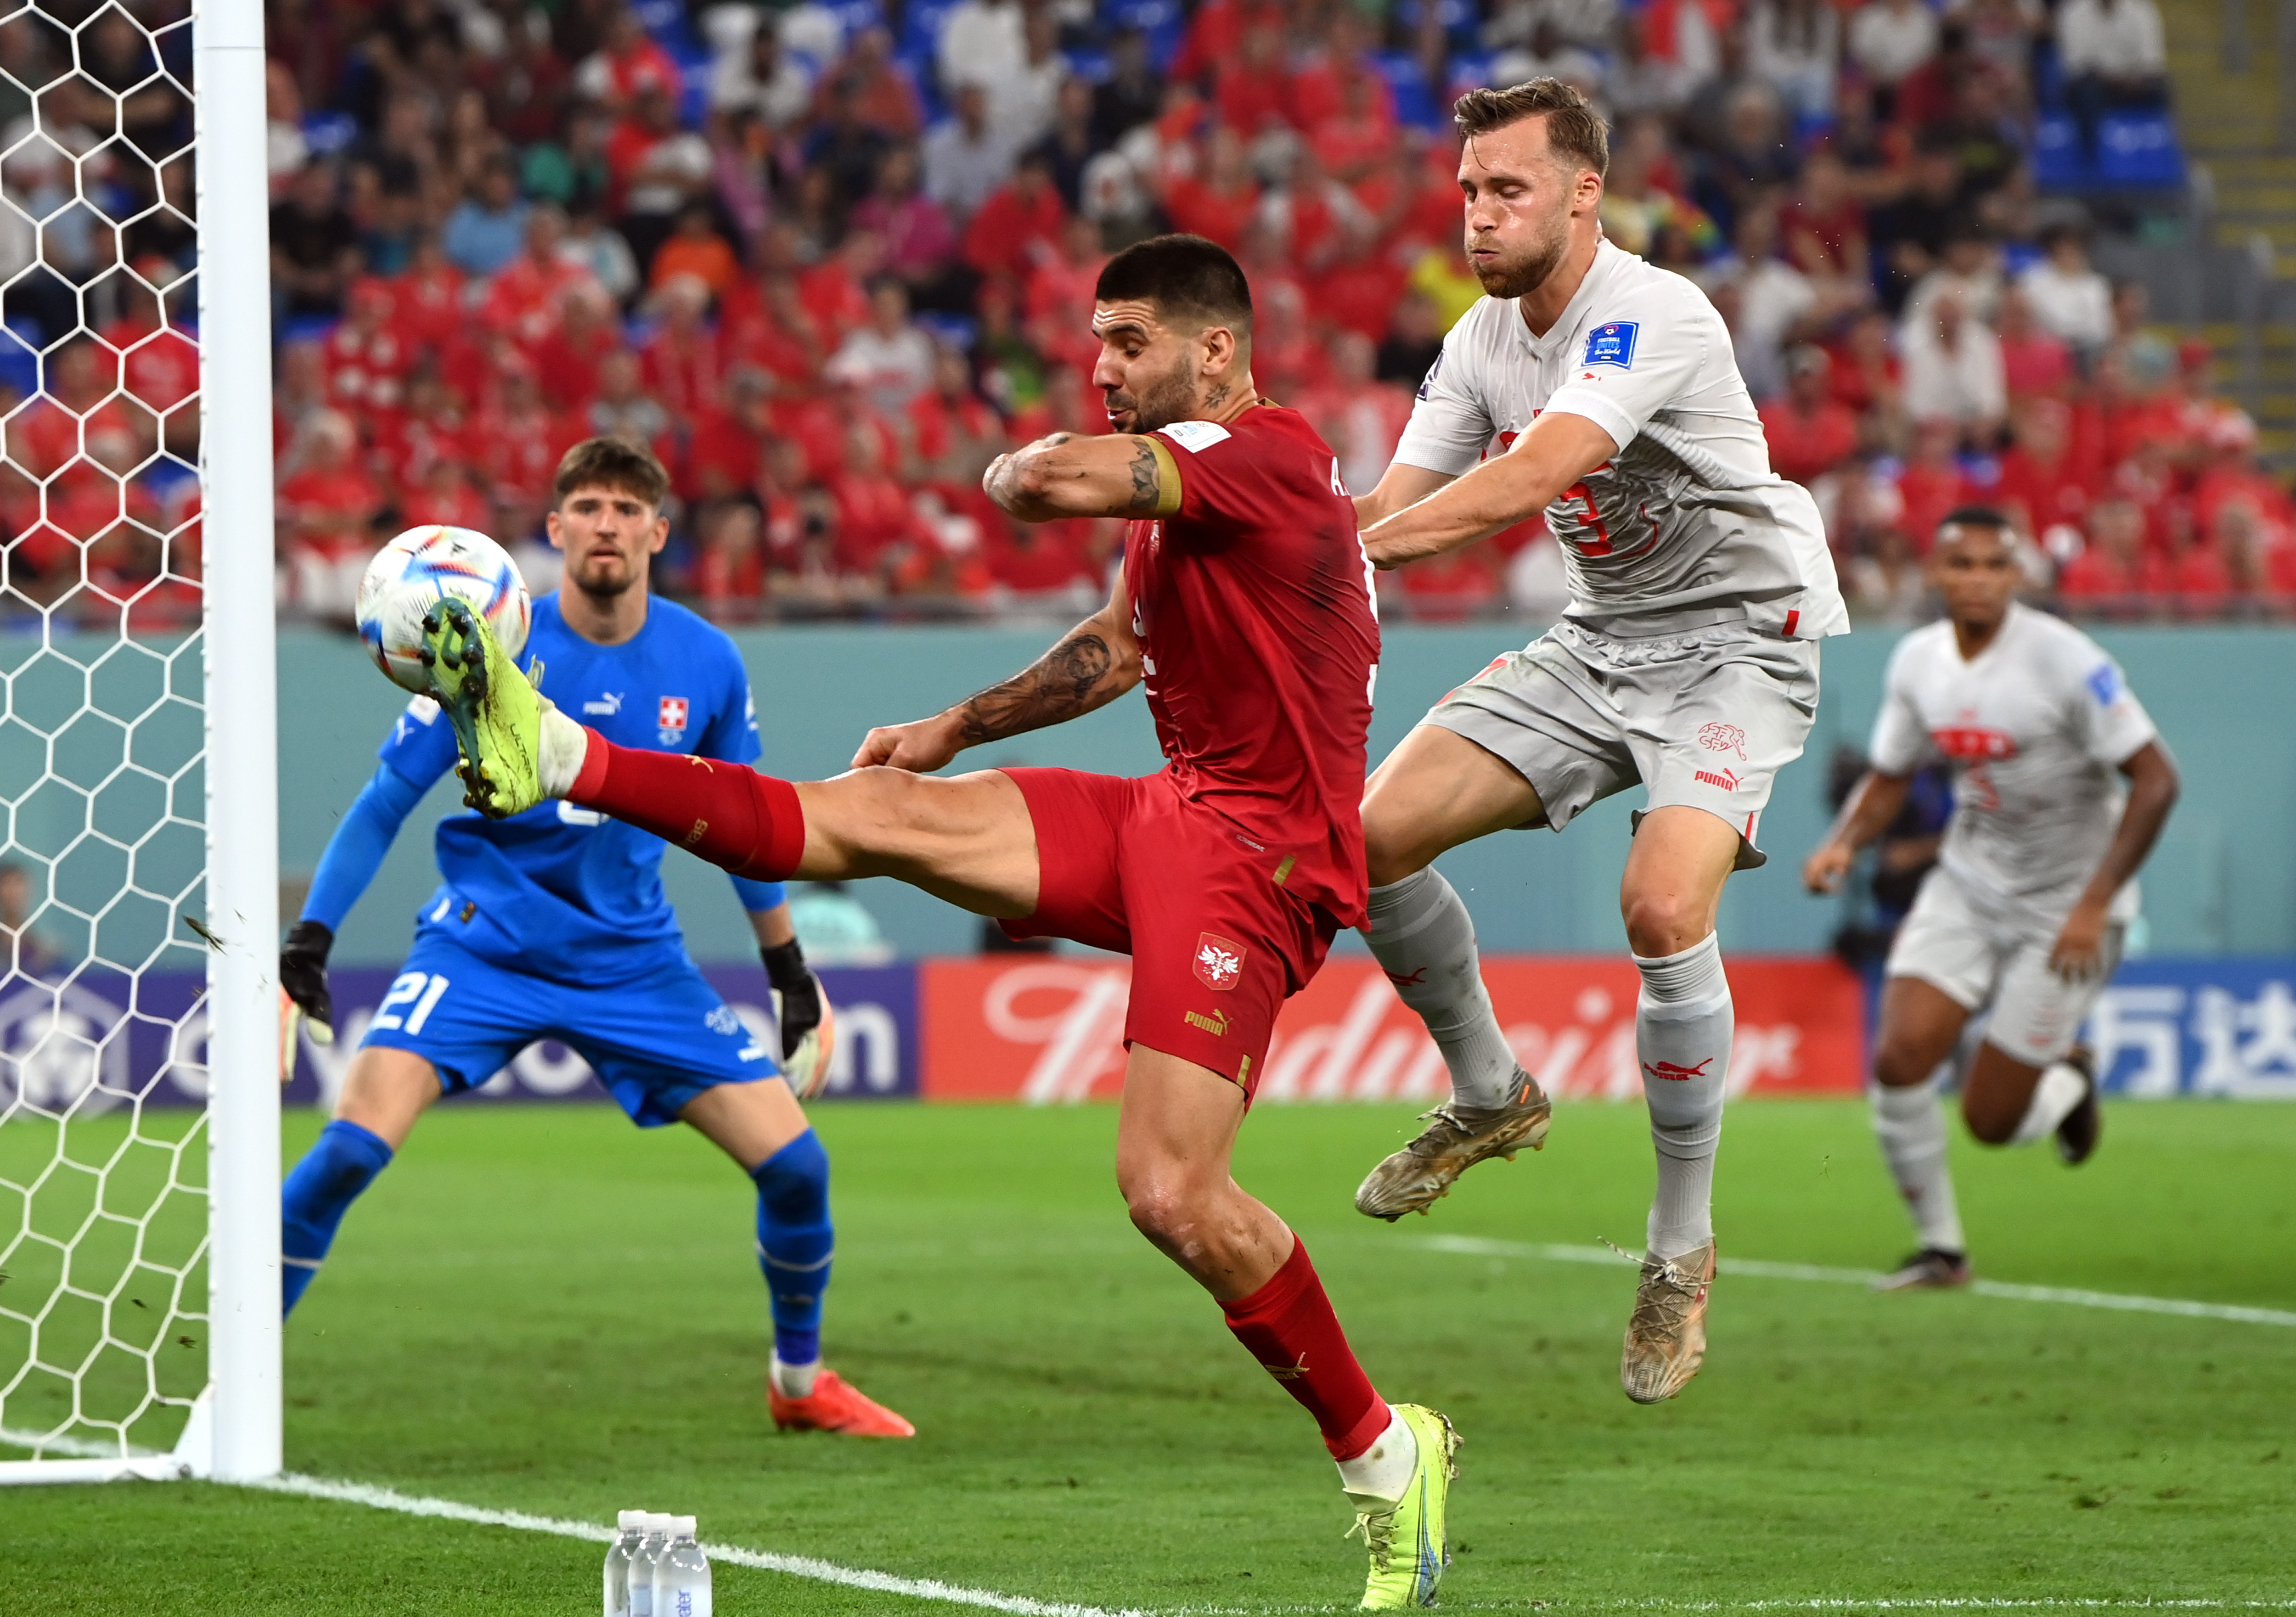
{"points": [[1219, 961]]}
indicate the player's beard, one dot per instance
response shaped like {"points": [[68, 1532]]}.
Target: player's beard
{"points": [[603, 587], [1517, 277], [1159, 402]]}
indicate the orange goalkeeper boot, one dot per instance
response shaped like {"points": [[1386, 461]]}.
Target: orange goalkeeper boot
{"points": [[834, 1405]]}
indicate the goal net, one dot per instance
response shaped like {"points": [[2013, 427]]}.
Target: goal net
{"points": [[138, 1004]]}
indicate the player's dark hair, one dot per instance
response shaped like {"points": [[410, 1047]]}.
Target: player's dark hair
{"points": [[1574, 131], [1193, 282], [616, 463], [1973, 516]]}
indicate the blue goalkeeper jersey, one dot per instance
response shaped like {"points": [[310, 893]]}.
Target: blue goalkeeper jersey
{"points": [[564, 892]]}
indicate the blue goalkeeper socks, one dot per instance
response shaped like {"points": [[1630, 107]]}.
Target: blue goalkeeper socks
{"points": [[311, 1203], [794, 1242]]}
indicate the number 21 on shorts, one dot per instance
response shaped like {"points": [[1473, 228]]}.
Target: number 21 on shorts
{"points": [[418, 989]]}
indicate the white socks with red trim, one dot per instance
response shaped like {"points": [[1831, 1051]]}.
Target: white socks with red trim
{"points": [[1422, 936], [1911, 1127], [1684, 1023]]}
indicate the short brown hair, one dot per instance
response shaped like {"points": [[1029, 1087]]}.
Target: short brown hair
{"points": [[615, 463], [1574, 129]]}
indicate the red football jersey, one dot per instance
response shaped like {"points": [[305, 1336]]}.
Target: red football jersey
{"points": [[1253, 607]]}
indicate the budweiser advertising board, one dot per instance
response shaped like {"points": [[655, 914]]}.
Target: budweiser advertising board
{"points": [[1049, 1029]]}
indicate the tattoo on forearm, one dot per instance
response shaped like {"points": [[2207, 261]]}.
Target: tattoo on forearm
{"points": [[1059, 685], [1144, 491]]}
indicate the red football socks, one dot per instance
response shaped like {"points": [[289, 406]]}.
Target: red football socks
{"points": [[728, 813], [1288, 1325]]}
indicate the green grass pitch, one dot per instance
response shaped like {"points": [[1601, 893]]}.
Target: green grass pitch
{"points": [[540, 1309]]}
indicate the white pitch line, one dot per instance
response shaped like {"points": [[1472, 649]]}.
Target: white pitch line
{"points": [[1469, 1245], [734, 1554]]}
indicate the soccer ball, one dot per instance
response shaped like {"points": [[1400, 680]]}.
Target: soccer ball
{"points": [[407, 577]]}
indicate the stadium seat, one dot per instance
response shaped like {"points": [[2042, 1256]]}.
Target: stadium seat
{"points": [[1470, 72], [922, 22], [2059, 163], [856, 15], [2138, 151], [1160, 19], [327, 133], [1415, 102], [20, 358], [1460, 18], [1093, 66]]}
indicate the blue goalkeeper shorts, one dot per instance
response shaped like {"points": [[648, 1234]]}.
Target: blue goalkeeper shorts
{"points": [[655, 1040]]}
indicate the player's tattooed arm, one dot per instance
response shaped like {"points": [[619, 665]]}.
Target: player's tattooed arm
{"points": [[1543, 464], [1120, 475], [1092, 665]]}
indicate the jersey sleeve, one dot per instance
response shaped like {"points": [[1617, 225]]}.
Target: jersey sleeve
{"points": [[419, 748], [1643, 351], [1900, 740], [1449, 427], [2112, 724], [1224, 478]]}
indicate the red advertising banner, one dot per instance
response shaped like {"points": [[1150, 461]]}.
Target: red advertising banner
{"points": [[1052, 1029]]}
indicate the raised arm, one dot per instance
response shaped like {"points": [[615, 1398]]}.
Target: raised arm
{"points": [[1873, 804], [1094, 664], [1557, 450], [1114, 475], [2152, 789]]}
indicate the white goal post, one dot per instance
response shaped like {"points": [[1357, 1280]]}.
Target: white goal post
{"points": [[113, 1206]]}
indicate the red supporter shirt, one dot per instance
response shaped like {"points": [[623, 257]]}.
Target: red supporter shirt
{"points": [[1217, 215], [1804, 447], [1258, 642]]}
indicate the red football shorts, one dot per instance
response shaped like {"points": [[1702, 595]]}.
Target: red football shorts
{"points": [[1216, 943]]}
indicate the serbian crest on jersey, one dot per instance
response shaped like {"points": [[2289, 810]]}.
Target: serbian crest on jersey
{"points": [[1219, 961], [671, 722], [1612, 344]]}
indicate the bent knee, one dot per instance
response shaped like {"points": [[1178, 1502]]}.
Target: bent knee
{"points": [[1659, 922], [1989, 1125], [1163, 1207]]}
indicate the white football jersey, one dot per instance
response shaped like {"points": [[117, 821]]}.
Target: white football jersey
{"points": [[1688, 515], [2035, 729]]}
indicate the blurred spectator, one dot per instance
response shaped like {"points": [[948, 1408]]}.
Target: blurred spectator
{"points": [[659, 167], [1796, 45], [1222, 201], [1131, 94], [2070, 299], [1910, 232], [2114, 58], [328, 507], [1888, 40], [1359, 415], [752, 73], [314, 245], [965, 160], [601, 249], [1070, 144], [2114, 569], [871, 89], [983, 43], [919, 242], [1886, 581], [1810, 432], [888, 361], [1018, 225], [1023, 106], [1547, 54], [1764, 300], [486, 228], [696, 252], [2033, 361], [1415, 338], [626, 65], [1953, 368], [2044, 483], [1931, 482]]}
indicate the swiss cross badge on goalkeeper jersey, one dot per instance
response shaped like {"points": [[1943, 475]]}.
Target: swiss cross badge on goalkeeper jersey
{"points": [[670, 724]]}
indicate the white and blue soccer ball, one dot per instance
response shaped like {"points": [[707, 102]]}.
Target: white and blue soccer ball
{"points": [[409, 576]]}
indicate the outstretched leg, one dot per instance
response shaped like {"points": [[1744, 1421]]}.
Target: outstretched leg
{"points": [[1435, 791], [1921, 1026]]}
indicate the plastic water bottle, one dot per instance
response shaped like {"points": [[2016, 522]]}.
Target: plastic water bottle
{"points": [[643, 1561], [632, 1523], [681, 1577]]}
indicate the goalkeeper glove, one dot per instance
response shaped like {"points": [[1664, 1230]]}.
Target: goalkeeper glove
{"points": [[303, 991], [807, 1023]]}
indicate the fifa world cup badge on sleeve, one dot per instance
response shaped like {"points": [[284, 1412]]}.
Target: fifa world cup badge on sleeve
{"points": [[1612, 344]]}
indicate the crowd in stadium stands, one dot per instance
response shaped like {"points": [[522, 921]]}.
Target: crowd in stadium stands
{"points": [[830, 259]]}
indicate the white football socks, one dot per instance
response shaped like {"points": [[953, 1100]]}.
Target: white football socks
{"points": [[558, 759], [1684, 1023], [2058, 1092], [794, 1380], [1422, 937], [1383, 1471], [1911, 1127]]}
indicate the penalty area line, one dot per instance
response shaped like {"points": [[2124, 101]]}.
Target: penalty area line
{"points": [[726, 1554], [1478, 1246]]}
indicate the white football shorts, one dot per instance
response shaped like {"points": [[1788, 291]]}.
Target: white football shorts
{"points": [[1976, 958], [1702, 718]]}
